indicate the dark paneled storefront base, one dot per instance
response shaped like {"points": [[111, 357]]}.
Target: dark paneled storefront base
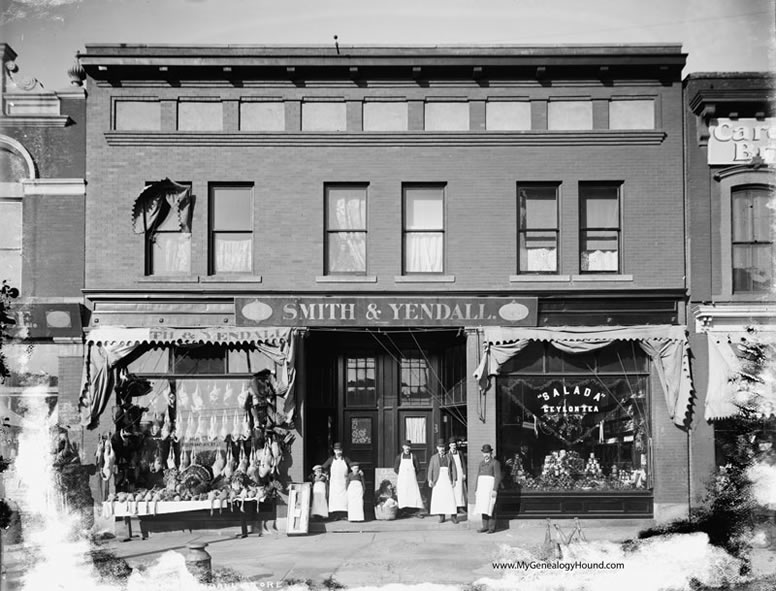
{"points": [[512, 504]]}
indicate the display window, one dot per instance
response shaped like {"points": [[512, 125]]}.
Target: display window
{"points": [[576, 422]]}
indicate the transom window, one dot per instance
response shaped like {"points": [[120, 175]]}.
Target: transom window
{"points": [[415, 382], [599, 219], [753, 252], [345, 229], [424, 230], [360, 381], [538, 228], [231, 229]]}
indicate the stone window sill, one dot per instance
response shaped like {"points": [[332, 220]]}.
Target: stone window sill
{"points": [[230, 279], [592, 277], [424, 278], [346, 279], [536, 278]]}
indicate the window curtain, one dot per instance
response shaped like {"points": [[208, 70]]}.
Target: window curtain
{"points": [[416, 429], [666, 346], [541, 259], [171, 252], [424, 252], [233, 255], [350, 213], [105, 360], [600, 260]]}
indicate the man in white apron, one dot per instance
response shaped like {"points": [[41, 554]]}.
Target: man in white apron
{"points": [[441, 475], [338, 467], [459, 486], [488, 481], [407, 490]]}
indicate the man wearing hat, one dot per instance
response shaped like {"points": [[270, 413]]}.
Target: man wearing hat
{"points": [[488, 481], [441, 476], [339, 468], [459, 486], [320, 507], [407, 490]]}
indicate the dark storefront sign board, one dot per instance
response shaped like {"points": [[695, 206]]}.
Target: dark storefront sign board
{"points": [[42, 321], [385, 311]]}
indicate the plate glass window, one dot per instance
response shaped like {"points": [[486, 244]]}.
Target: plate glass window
{"points": [[538, 231], [753, 251], [231, 229], [346, 229], [424, 236], [599, 228], [11, 243]]}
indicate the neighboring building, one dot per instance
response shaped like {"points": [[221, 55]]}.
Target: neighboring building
{"points": [[42, 187], [378, 224], [730, 159]]}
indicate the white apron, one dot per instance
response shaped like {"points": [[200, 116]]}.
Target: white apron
{"points": [[355, 501], [484, 502], [442, 496], [319, 506], [458, 487], [338, 495], [407, 490]]}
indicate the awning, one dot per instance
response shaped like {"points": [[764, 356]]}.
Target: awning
{"points": [[108, 346], [727, 391], [227, 335], [666, 346], [155, 204]]}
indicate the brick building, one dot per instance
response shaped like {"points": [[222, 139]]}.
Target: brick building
{"points": [[42, 187], [730, 155], [375, 226]]}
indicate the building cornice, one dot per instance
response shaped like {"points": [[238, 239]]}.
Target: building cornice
{"points": [[35, 121], [60, 187], [735, 317], [397, 139]]}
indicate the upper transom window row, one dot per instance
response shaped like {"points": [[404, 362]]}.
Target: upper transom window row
{"points": [[384, 115]]}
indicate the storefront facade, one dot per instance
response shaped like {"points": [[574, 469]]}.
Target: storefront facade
{"points": [[730, 155], [371, 226]]}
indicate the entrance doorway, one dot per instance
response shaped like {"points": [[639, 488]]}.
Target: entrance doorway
{"points": [[373, 390]]}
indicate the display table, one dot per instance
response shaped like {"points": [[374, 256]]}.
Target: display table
{"points": [[177, 515]]}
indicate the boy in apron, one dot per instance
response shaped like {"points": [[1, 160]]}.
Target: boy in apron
{"points": [[488, 481], [407, 490], [459, 486], [320, 507], [355, 493], [441, 475], [338, 467]]}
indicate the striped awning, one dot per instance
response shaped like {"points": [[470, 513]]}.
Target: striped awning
{"points": [[228, 335]]}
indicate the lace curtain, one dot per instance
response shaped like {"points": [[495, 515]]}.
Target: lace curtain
{"points": [[233, 255], [424, 252], [347, 250], [416, 429]]}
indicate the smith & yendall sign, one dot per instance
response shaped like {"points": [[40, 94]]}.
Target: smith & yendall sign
{"points": [[385, 311], [738, 141]]}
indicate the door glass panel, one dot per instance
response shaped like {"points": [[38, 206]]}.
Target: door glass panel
{"points": [[361, 431], [415, 388], [415, 428], [360, 387]]}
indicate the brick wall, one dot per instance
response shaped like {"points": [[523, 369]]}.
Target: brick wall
{"points": [[480, 199]]}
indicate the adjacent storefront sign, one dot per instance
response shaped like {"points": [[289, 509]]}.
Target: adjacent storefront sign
{"points": [[570, 399], [385, 311], [39, 321], [738, 141]]}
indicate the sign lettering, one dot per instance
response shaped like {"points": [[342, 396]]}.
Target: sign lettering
{"points": [[737, 141], [384, 311]]}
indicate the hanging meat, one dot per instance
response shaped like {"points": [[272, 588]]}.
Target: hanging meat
{"points": [[252, 466], [197, 403], [212, 432], [213, 395], [219, 464], [110, 460], [185, 459], [236, 427], [242, 396], [201, 431], [224, 432], [228, 394], [229, 465], [182, 396], [171, 457], [191, 428], [246, 427]]}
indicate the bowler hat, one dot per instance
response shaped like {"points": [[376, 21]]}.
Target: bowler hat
{"points": [[317, 467], [487, 448], [338, 445], [441, 442], [407, 442], [452, 440]]}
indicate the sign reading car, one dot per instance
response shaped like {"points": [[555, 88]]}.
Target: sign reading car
{"points": [[737, 141], [384, 311]]}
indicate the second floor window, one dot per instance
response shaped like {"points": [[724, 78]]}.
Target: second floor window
{"points": [[424, 229], [163, 213], [11, 242], [538, 228], [231, 229], [346, 229], [753, 252], [599, 231]]}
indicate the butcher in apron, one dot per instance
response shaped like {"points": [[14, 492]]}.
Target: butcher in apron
{"points": [[338, 467], [320, 507], [488, 481], [441, 475], [459, 486], [355, 493], [407, 490]]}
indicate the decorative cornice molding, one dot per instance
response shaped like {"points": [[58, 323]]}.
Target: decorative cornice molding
{"points": [[59, 187], [398, 139], [758, 165], [734, 317], [35, 121]]}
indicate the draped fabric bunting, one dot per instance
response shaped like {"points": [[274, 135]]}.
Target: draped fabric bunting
{"points": [[666, 346], [723, 365], [107, 347], [157, 201]]}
